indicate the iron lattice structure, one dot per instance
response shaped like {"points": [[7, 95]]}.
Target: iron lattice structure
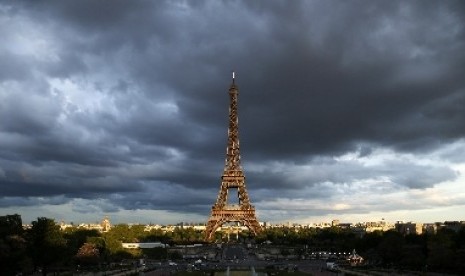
{"points": [[232, 178]]}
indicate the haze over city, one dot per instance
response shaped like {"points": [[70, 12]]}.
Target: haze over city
{"points": [[349, 110]]}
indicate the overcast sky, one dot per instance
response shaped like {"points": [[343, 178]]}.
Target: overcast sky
{"points": [[349, 110]]}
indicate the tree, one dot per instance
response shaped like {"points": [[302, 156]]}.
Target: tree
{"points": [[76, 237], [11, 225], [390, 248], [46, 243], [186, 235], [441, 250], [157, 235], [88, 254], [13, 256]]}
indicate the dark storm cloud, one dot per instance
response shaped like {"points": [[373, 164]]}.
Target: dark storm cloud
{"points": [[173, 198], [126, 99], [371, 83]]}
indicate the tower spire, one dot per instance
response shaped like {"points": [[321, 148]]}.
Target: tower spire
{"points": [[233, 158]]}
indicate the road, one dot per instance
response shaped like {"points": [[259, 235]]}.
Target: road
{"points": [[237, 257]]}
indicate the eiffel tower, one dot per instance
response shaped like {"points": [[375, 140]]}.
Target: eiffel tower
{"points": [[232, 178]]}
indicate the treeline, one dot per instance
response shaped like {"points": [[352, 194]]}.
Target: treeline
{"points": [[443, 251], [46, 247]]}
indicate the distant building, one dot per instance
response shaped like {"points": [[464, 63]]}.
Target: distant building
{"points": [[143, 245], [321, 225], [355, 259], [64, 225], [103, 226], [91, 226], [150, 227], [360, 228], [345, 225], [454, 225], [430, 228], [409, 228], [378, 226], [106, 225]]}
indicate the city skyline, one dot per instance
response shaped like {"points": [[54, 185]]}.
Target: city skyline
{"points": [[333, 222], [347, 110]]}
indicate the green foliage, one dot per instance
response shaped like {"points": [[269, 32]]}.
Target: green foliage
{"points": [[88, 254], [390, 247], [46, 243], [13, 246], [441, 250], [155, 235], [77, 237], [155, 253], [11, 225], [46, 246], [186, 236]]}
